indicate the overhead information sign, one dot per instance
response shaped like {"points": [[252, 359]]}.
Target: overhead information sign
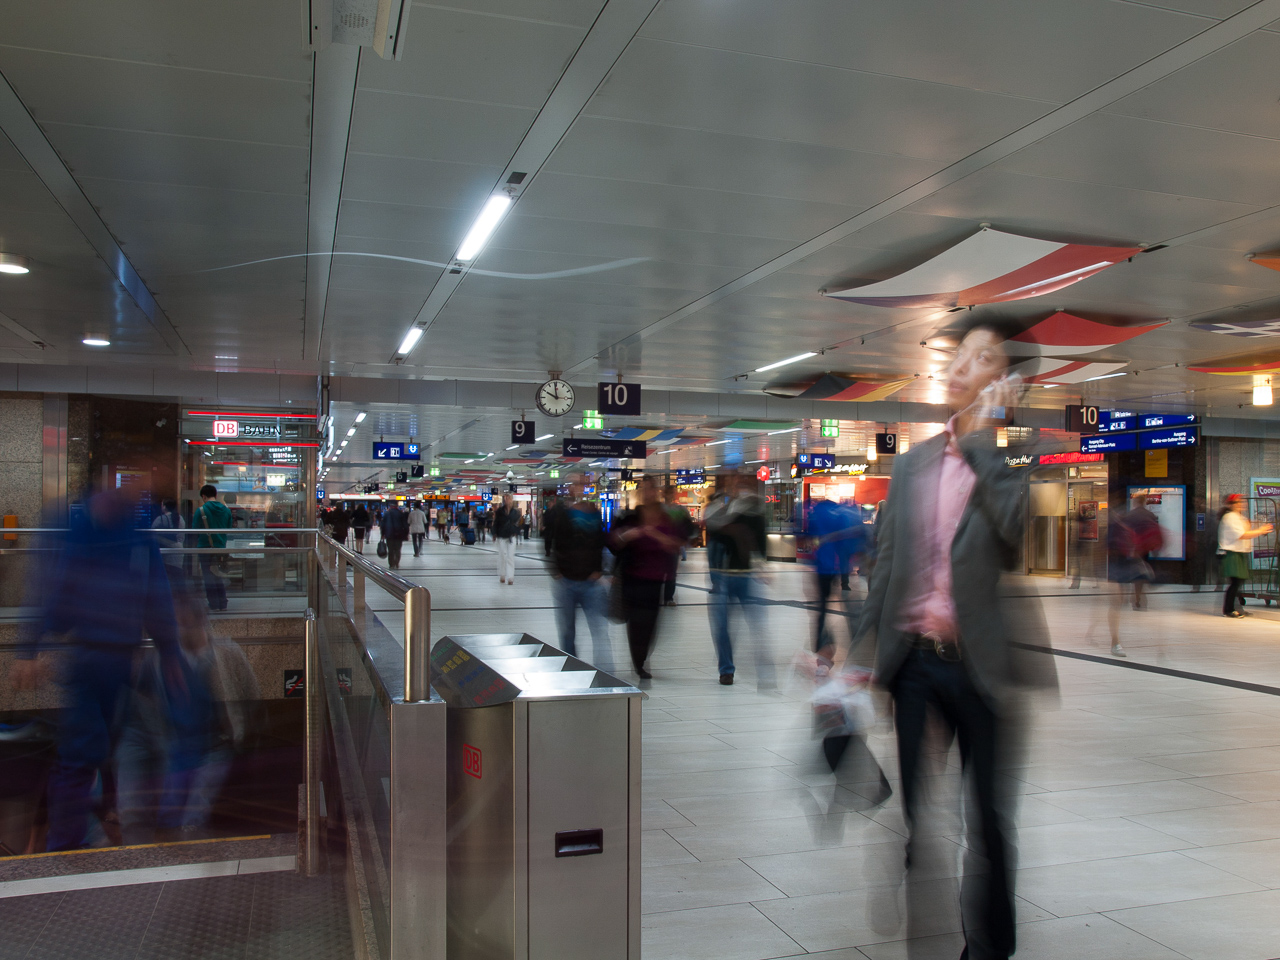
{"points": [[522, 431], [395, 451], [815, 461], [1177, 437], [620, 399], [1109, 444], [689, 478], [613, 449]]}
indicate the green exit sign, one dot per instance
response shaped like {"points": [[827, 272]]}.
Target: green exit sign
{"points": [[591, 420], [555, 474], [433, 471], [830, 431]]}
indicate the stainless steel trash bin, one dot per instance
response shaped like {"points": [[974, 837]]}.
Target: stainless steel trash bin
{"points": [[543, 761]]}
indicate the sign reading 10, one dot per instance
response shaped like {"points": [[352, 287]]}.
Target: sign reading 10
{"points": [[619, 398]]}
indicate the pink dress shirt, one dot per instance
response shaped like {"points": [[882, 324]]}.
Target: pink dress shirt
{"points": [[931, 609]]}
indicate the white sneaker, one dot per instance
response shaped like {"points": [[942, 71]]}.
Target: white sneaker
{"points": [[1118, 651]]}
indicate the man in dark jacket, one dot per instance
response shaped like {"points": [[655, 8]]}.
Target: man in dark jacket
{"points": [[213, 515], [575, 532], [108, 591], [736, 528], [506, 529], [948, 635], [395, 531]]}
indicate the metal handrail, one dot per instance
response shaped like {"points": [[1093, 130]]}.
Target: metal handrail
{"points": [[312, 691], [171, 531], [417, 611]]}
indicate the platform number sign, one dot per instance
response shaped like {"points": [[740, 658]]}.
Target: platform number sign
{"points": [[622, 399], [1082, 418], [522, 431], [471, 761], [887, 443]]}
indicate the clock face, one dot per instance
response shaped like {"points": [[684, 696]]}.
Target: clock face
{"points": [[555, 398]]}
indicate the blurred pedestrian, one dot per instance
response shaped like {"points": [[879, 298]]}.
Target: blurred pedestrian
{"points": [[1235, 550], [417, 527], [1131, 537], [643, 540], [736, 530], [685, 527], [213, 515], [341, 520], [838, 535], [395, 531], [577, 562], [360, 521], [107, 591], [948, 636], [506, 530], [170, 519]]}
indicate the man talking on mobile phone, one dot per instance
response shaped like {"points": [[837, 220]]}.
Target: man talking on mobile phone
{"points": [[948, 635]]}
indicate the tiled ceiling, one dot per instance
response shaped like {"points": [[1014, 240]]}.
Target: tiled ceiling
{"points": [[724, 136]]}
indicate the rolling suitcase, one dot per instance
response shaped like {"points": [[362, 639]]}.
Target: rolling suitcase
{"points": [[469, 536]]}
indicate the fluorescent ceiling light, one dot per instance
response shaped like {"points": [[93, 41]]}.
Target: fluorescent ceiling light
{"points": [[711, 466], [96, 342], [360, 416], [490, 216], [753, 461], [545, 436], [716, 443], [14, 264], [782, 363], [224, 356], [774, 433], [468, 461], [410, 340], [351, 432], [513, 446], [1106, 376]]}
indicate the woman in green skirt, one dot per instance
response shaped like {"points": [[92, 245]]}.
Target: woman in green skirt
{"points": [[1235, 544]]}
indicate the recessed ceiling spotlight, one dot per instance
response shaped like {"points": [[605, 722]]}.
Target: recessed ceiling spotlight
{"points": [[14, 264], [96, 342]]}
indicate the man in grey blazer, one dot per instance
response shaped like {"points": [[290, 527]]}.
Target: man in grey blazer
{"points": [[947, 629]]}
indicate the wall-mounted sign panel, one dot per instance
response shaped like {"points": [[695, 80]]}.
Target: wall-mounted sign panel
{"points": [[1177, 437], [1109, 444]]}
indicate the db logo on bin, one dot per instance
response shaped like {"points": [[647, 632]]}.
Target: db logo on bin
{"points": [[226, 429], [471, 760]]}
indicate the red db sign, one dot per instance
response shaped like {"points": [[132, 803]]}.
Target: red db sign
{"points": [[471, 760], [226, 429], [762, 474]]}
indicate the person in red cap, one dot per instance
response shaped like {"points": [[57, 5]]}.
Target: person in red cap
{"points": [[1235, 544]]}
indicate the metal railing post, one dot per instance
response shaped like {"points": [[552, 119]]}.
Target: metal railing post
{"points": [[313, 686], [357, 588], [417, 644], [341, 575]]}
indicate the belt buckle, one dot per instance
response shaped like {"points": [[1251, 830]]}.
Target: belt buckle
{"points": [[947, 651]]}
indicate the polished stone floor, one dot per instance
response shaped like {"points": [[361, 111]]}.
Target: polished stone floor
{"points": [[1148, 803]]}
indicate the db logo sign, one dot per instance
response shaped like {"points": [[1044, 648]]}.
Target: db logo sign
{"points": [[226, 429], [471, 760], [762, 474]]}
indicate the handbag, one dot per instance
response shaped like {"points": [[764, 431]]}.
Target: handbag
{"points": [[382, 548]]}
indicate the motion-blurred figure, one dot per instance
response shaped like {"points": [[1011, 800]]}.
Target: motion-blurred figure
{"points": [[506, 530], [213, 515], [1235, 545], [644, 541], [736, 544], [106, 592], [946, 633], [839, 535], [170, 519], [575, 532], [1131, 538], [684, 526]]}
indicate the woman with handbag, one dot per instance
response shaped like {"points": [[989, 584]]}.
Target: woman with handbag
{"points": [[644, 541]]}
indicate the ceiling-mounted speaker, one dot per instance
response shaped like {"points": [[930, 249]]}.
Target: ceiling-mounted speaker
{"points": [[380, 24]]}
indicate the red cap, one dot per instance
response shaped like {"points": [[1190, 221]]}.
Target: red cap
{"points": [[1234, 498]]}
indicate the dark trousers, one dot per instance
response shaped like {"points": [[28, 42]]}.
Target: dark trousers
{"points": [[1230, 598], [643, 598], [669, 588], [417, 542], [924, 684], [215, 588], [96, 685], [393, 553], [825, 582]]}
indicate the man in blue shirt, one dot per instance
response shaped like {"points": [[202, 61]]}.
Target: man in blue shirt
{"points": [[839, 536], [108, 590]]}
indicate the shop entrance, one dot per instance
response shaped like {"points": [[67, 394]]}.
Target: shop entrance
{"points": [[1067, 519]]}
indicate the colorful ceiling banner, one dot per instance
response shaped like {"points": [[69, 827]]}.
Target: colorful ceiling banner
{"points": [[1058, 370], [989, 267], [1248, 329], [1270, 260], [1239, 371], [1064, 334], [837, 386]]}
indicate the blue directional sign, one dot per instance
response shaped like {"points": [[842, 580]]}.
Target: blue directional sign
{"points": [[1168, 420], [690, 478], [411, 451], [395, 451], [1109, 444], [319, 493], [1177, 437]]}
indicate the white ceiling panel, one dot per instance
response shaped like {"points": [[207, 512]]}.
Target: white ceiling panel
{"points": [[398, 125], [785, 100], [1026, 48]]}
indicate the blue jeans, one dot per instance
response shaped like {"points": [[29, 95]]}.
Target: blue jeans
{"points": [[726, 587], [591, 597]]}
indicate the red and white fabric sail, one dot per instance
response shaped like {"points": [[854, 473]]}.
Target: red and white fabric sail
{"points": [[1065, 334], [989, 267], [1053, 370]]}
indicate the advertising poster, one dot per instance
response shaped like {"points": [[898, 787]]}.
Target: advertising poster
{"points": [[1169, 504], [1087, 520]]}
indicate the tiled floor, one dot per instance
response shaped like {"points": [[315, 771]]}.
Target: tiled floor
{"points": [[1149, 804]]}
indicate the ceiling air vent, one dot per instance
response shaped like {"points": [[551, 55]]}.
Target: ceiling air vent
{"points": [[379, 24]]}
